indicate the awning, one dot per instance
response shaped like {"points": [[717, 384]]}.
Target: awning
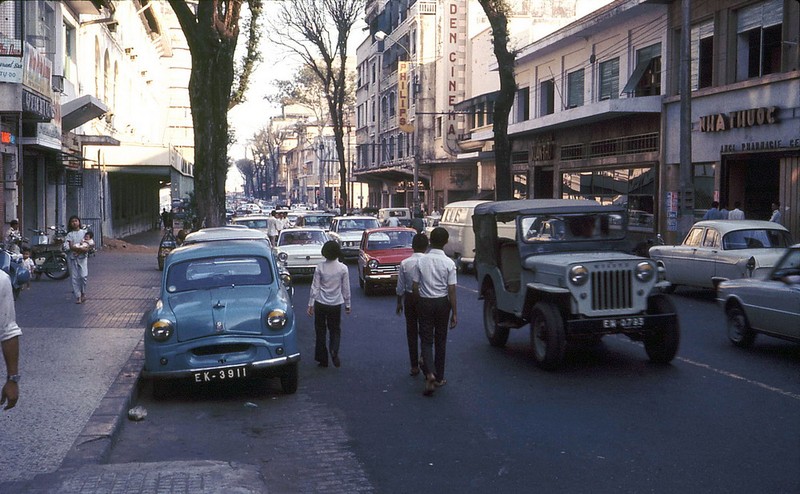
{"points": [[80, 110], [638, 72]]}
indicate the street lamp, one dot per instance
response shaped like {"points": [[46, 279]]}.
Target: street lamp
{"points": [[381, 36]]}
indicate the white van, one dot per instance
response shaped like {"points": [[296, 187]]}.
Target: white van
{"points": [[402, 214], [457, 220]]}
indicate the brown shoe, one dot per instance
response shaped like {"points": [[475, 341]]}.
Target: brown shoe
{"points": [[430, 385]]}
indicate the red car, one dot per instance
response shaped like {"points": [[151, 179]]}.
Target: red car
{"points": [[379, 256]]}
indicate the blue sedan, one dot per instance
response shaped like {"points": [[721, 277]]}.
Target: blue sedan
{"points": [[224, 314]]}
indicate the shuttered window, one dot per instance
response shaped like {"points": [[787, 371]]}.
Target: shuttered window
{"points": [[609, 79], [575, 89]]}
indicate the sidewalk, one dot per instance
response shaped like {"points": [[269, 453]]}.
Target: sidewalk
{"points": [[80, 365]]}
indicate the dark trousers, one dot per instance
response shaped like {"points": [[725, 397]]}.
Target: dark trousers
{"points": [[434, 319], [327, 319], [412, 327]]}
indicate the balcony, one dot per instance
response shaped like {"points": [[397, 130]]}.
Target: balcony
{"points": [[643, 143]]}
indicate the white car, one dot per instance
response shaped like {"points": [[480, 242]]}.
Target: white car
{"points": [[717, 250], [347, 231], [300, 249]]}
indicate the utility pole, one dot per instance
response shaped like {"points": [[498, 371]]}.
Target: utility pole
{"points": [[686, 186]]}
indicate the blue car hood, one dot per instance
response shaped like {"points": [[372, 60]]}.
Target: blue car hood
{"points": [[220, 311]]}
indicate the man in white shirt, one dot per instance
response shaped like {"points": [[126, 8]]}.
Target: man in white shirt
{"points": [[272, 227], [392, 220], [736, 213], [9, 340], [406, 298], [434, 281], [776, 217]]}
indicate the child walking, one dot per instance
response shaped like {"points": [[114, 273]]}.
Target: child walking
{"points": [[330, 289]]}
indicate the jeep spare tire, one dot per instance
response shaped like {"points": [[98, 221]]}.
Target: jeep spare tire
{"points": [[548, 339]]}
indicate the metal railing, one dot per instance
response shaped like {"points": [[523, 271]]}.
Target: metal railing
{"points": [[643, 143]]}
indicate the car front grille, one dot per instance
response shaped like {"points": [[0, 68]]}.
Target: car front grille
{"points": [[385, 269], [612, 289]]}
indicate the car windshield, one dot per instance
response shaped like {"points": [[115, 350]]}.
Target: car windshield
{"points": [[207, 273], [253, 223], [357, 224], [315, 220], [756, 239], [389, 240], [572, 228], [301, 238]]}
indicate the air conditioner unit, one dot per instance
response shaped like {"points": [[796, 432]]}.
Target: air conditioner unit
{"points": [[58, 83]]}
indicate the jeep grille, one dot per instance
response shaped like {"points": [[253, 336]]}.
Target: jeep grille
{"points": [[612, 289]]}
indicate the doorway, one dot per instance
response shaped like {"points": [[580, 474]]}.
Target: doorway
{"points": [[754, 181], [543, 182]]}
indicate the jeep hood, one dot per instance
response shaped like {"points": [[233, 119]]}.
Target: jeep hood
{"points": [[568, 258]]}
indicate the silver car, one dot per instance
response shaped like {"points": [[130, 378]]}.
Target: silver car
{"points": [[764, 304], [717, 250], [347, 231]]}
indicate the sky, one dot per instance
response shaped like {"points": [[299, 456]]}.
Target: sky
{"points": [[247, 118]]}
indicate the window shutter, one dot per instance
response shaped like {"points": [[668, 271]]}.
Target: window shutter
{"points": [[575, 88]]}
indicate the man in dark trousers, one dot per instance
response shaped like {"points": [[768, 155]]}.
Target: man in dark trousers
{"points": [[408, 301], [434, 281]]}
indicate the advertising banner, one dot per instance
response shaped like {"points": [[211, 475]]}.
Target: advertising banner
{"points": [[402, 97]]}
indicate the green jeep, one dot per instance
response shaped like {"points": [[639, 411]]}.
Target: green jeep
{"points": [[569, 274]]}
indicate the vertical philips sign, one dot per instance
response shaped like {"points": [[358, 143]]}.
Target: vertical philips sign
{"points": [[402, 97], [455, 67]]}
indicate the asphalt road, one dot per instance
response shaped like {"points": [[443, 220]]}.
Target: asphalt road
{"points": [[718, 419]]}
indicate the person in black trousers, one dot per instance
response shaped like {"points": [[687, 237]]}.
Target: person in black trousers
{"points": [[408, 301], [330, 289], [434, 281]]}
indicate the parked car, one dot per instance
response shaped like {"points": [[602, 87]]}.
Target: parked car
{"points": [[254, 221], [715, 250], [568, 273], [347, 231], [379, 256], [300, 249], [319, 219], [223, 315], [768, 304]]}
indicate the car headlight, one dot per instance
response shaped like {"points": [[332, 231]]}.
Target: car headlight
{"points": [[276, 319], [372, 264], [283, 256], [645, 271], [161, 330], [286, 278], [578, 275]]}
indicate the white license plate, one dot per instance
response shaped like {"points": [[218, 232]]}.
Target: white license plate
{"points": [[218, 375], [623, 322]]}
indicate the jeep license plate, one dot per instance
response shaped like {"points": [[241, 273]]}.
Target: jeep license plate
{"points": [[623, 322], [229, 374]]}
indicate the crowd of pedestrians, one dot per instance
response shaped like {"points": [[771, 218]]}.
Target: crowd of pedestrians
{"points": [[717, 212]]}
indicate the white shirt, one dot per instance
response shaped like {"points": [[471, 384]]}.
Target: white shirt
{"points": [[736, 214], [331, 284], [435, 273], [272, 226], [777, 217], [74, 237], [392, 221], [404, 274], [8, 314]]}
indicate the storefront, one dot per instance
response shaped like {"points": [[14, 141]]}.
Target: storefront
{"points": [[745, 148]]}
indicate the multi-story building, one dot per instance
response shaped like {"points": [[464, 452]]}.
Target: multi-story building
{"points": [[94, 112]]}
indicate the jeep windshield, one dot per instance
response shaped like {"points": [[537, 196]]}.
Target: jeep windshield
{"points": [[572, 227]]}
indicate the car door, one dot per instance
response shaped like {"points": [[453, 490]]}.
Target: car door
{"points": [[705, 260], [679, 260]]}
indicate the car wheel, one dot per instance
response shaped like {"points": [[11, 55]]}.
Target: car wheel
{"points": [[498, 336], [548, 338], [661, 344], [739, 331], [289, 379], [369, 289]]}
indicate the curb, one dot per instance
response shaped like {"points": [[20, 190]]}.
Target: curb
{"points": [[93, 444]]}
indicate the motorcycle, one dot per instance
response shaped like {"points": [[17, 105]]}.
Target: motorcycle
{"points": [[11, 263], [49, 257]]}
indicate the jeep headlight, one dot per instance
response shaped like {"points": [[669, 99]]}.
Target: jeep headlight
{"points": [[283, 256], [372, 264], [645, 271], [578, 275], [276, 319], [161, 330]]}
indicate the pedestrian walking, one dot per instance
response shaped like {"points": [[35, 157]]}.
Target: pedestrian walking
{"points": [[776, 217], [714, 213], [9, 340], [418, 222], [736, 213], [330, 289], [407, 301], [77, 251], [166, 219], [272, 227], [434, 281]]}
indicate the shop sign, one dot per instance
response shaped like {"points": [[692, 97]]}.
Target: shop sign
{"points": [[402, 97], [741, 119], [10, 47], [10, 69], [7, 138], [455, 67], [40, 107], [38, 73], [760, 145]]}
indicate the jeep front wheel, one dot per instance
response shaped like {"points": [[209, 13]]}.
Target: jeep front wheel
{"points": [[548, 338], [498, 336], [661, 344]]}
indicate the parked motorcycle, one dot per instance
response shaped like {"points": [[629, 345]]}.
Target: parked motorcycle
{"points": [[11, 263], [48, 256]]}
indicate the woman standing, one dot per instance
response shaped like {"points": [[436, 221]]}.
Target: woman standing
{"points": [[329, 290], [76, 257]]}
